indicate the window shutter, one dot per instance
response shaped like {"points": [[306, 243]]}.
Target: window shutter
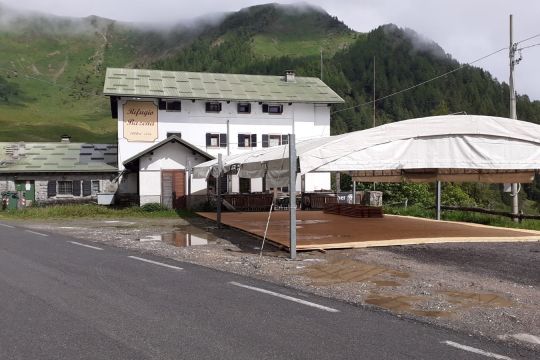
{"points": [[284, 139], [76, 188], [222, 140], [86, 188], [162, 105], [265, 140], [51, 188], [253, 140], [265, 108], [241, 140], [208, 139]]}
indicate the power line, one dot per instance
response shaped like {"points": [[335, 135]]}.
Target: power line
{"points": [[527, 47], [529, 38], [423, 82], [439, 76]]}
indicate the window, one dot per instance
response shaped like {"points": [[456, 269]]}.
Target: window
{"points": [[65, 188], [269, 140], [247, 140], [174, 106], [244, 185], [216, 140], [213, 107], [244, 108], [177, 134], [274, 109], [170, 105], [95, 187]]}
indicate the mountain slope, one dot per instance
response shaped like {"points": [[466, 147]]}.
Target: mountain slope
{"points": [[52, 68], [58, 64]]}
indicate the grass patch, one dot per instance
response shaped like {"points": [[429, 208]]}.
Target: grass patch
{"points": [[90, 211], [463, 216], [268, 46]]}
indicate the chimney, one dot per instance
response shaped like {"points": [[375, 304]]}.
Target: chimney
{"points": [[65, 138], [289, 75]]}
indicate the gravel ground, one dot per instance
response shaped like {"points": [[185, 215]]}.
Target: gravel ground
{"points": [[490, 289]]}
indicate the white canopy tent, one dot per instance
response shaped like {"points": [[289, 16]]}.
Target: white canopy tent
{"points": [[441, 148], [447, 148]]}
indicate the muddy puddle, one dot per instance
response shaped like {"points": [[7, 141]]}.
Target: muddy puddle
{"points": [[183, 237], [467, 299], [345, 270], [389, 290]]}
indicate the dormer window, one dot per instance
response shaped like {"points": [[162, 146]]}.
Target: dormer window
{"points": [[213, 106]]}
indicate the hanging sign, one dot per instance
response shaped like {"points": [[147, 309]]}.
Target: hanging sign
{"points": [[140, 121]]}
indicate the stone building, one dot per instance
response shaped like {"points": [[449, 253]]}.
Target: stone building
{"points": [[58, 172]]}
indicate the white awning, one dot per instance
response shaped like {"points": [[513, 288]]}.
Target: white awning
{"points": [[440, 147]]}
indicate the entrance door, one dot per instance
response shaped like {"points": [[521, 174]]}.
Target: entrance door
{"points": [[26, 190], [173, 185]]}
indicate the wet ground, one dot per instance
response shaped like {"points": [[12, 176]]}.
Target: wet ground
{"points": [[488, 289]]}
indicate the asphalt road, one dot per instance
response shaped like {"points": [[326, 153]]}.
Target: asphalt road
{"points": [[60, 299]]}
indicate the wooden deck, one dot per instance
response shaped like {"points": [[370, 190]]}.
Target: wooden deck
{"points": [[317, 230]]}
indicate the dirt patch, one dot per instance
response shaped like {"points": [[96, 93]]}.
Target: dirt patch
{"points": [[407, 280]]}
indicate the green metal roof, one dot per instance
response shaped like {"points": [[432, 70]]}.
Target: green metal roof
{"points": [[237, 87], [25, 157]]}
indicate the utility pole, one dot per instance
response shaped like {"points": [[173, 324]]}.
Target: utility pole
{"points": [[374, 122], [321, 65], [513, 115]]}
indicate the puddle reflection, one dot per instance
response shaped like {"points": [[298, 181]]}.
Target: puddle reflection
{"points": [[184, 237]]}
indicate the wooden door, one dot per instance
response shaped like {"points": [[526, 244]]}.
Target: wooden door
{"points": [[173, 185]]}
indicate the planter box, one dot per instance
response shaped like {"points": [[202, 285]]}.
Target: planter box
{"points": [[105, 198]]}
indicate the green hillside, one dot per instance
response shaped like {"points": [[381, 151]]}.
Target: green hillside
{"points": [[52, 68], [57, 66]]}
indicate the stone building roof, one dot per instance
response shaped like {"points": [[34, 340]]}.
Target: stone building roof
{"points": [[23, 157]]}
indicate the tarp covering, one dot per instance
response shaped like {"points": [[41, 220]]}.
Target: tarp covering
{"points": [[486, 144]]}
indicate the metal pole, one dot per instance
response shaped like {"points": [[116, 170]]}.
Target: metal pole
{"points": [[292, 195], [513, 113], [188, 205], [218, 189], [354, 192], [438, 201], [374, 122], [229, 138], [321, 65]]}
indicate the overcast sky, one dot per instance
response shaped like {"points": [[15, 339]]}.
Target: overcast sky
{"points": [[467, 29]]}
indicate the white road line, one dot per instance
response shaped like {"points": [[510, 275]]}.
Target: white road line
{"points": [[8, 226], [37, 233], [88, 246], [286, 297], [476, 351], [155, 263]]}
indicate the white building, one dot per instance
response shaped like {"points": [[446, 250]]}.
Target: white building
{"points": [[168, 120]]}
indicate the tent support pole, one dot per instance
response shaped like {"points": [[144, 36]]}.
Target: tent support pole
{"points": [[189, 173], [354, 192], [438, 200], [218, 190], [292, 196]]}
